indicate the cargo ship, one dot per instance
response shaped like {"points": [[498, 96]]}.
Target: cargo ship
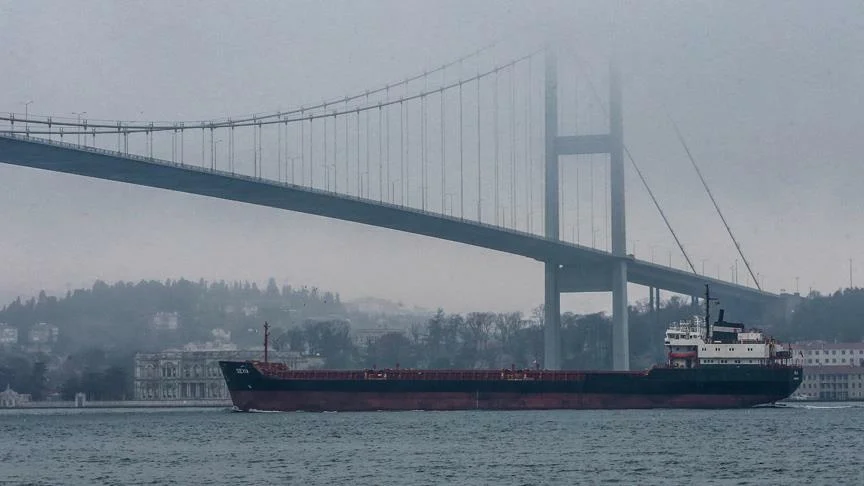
{"points": [[719, 365]]}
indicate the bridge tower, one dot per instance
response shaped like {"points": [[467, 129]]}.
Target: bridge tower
{"points": [[560, 277]]}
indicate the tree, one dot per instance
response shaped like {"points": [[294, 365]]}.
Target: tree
{"points": [[389, 351], [38, 381]]}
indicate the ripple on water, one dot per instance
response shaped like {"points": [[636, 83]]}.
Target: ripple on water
{"points": [[812, 444]]}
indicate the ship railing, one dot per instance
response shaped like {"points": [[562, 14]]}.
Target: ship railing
{"points": [[274, 370]]}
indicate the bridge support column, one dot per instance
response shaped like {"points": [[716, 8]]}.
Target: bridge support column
{"points": [[552, 319], [620, 325], [552, 300], [651, 300]]}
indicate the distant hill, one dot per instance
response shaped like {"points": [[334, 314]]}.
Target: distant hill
{"points": [[151, 315], [375, 306]]}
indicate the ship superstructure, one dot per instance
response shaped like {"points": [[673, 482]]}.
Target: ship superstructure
{"points": [[688, 345], [697, 342]]}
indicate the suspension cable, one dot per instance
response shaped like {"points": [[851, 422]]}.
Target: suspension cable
{"points": [[641, 176], [111, 128], [711, 195]]}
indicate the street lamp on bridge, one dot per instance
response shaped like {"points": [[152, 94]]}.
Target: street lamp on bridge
{"points": [[215, 151], [292, 159], [327, 176], [79, 113], [393, 191], [27, 117], [448, 199]]}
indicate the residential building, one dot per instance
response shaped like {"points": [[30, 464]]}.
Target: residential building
{"points": [[8, 335], [43, 333], [361, 337]]}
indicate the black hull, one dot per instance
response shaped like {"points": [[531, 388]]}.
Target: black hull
{"points": [[707, 387]]}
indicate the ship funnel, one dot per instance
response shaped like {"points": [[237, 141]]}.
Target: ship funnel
{"points": [[720, 317]]}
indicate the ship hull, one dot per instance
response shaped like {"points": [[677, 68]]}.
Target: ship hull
{"points": [[344, 402], [716, 387]]}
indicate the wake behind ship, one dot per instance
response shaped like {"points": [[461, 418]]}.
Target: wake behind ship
{"points": [[708, 366]]}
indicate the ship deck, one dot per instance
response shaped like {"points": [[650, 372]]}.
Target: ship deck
{"points": [[281, 371]]}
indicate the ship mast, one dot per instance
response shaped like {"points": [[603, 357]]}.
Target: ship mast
{"points": [[266, 339], [708, 300]]}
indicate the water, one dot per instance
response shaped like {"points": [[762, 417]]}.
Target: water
{"points": [[800, 444]]}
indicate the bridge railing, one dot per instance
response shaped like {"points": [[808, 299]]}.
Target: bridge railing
{"points": [[264, 180], [347, 197]]}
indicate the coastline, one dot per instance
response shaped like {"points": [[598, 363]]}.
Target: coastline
{"points": [[123, 404]]}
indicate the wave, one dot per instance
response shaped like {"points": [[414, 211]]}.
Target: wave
{"points": [[825, 406]]}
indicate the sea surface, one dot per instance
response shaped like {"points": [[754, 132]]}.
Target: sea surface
{"points": [[806, 444]]}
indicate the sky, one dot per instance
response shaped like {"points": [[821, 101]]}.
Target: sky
{"points": [[767, 95]]}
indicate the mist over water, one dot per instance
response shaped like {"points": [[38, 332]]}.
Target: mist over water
{"points": [[767, 95], [797, 445]]}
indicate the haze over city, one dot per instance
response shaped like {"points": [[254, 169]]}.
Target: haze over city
{"points": [[767, 98]]}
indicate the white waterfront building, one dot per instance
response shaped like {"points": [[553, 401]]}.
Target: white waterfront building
{"points": [[828, 354], [194, 374], [832, 371]]}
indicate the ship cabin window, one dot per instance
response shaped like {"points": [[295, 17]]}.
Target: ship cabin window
{"points": [[704, 349], [716, 349]]}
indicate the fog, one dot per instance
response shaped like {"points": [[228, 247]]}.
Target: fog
{"points": [[767, 94]]}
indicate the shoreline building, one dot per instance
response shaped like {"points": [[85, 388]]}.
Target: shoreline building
{"points": [[832, 371], [194, 374]]}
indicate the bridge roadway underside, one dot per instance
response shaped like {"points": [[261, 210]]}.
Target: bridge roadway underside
{"points": [[582, 269]]}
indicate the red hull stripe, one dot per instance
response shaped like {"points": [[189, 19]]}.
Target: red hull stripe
{"points": [[318, 401]]}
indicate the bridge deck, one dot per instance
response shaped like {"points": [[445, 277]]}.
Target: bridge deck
{"points": [[115, 166]]}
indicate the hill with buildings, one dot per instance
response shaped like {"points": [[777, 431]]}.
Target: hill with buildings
{"points": [[86, 340]]}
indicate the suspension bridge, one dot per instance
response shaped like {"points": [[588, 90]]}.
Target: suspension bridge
{"points": [[471, 152]]}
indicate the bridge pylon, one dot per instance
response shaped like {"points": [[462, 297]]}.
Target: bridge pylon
{"points": [[582, 278]]}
